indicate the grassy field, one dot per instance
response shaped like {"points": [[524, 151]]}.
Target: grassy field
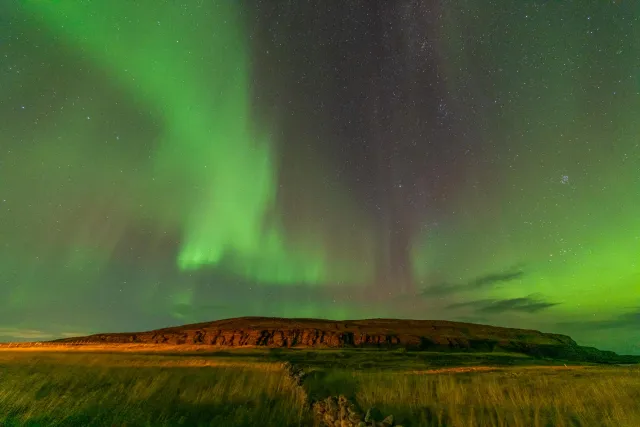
{"points": [[521, 397], [118, 389], [249, 388]]}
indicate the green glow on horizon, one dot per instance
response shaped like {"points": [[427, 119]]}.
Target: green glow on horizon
{"points": [[566, 205]]}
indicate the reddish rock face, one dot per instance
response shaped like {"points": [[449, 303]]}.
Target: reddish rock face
{"points": [[271, 332], [432, 335]]}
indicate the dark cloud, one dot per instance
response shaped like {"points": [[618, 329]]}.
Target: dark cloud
{"points": [[628, 320], [477, 283], [493, 306], [491, 279]]}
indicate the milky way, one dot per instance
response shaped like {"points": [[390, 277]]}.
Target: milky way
{"points": [[171, 162]]}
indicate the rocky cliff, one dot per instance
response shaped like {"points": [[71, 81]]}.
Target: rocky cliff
{"points": [[425, 335]]}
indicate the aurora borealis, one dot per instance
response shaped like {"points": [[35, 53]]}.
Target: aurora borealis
{"points": [[172, 162]]}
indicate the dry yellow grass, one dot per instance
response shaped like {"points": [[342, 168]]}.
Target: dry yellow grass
{"points": [[115, 348], [466, 369], [529, 397], [162, 387], [123, 360], [75, 389]]}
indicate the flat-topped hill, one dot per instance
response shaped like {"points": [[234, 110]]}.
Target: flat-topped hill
{"points": [[421, 335]]}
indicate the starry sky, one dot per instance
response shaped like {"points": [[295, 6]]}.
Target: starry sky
{"points": [[167, 162]]}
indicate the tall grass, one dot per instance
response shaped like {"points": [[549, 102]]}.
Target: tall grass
{"points": [[518, 397], [99, 390], [241, 389]]}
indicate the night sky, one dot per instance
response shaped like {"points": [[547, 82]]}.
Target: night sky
{"points": [[168, 162]]}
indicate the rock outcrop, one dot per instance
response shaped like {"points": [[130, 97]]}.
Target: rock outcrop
{"points": [[425, 335]]}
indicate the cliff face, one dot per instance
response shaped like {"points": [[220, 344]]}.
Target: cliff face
{"points": [[312, 333]]}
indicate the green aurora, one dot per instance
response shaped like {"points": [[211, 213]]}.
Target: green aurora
{"points": [[563, 207], [209, 144], [147, 170]]}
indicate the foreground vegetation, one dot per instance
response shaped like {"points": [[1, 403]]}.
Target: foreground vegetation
{"points": [[514, 397], [105, 390], [249, 388]]}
